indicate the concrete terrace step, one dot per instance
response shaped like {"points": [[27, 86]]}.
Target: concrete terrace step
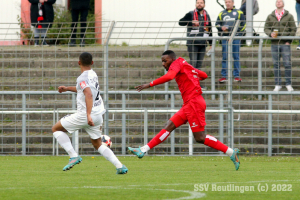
{"points": [[124, 62], [128, 72], [179, 140], [46, 102], [118, 51], [135, 127]]}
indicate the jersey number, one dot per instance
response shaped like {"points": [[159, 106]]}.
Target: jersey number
{"points": [[97, 97]]}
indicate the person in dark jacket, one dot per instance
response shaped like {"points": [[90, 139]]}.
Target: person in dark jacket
{"points": [[225, 25], [281, 23], [42, 16], [198, 25], [79, 7]]}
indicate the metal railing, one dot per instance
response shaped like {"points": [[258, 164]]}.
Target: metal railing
{"points": [[221, 111]]}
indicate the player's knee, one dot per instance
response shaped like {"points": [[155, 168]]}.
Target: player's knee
{"points": [[200, 138], [170, 126]]}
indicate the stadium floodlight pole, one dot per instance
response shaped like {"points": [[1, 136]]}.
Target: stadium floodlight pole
{"points": [[229, 87], [249, 20], [105, 78]]}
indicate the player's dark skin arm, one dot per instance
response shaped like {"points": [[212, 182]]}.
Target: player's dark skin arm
{"points": [[67, 88], [89, 105]]}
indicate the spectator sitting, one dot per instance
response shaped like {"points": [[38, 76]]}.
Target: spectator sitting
{"points": [[79, 7], [281, 23], [198, 25], [42, 16], [225, 24]]}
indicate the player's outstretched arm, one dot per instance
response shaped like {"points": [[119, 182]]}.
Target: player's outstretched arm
{"points": [[67, 88], [141, 87], [165, 78], [89, 105]]}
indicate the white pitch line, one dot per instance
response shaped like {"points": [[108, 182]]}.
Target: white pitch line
{"points": [[193, 195], [215, 183]]}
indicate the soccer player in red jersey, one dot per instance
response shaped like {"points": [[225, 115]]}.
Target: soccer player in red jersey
{"points": [[192, 111]]}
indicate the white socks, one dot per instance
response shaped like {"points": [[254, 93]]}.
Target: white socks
{"points": [[229, 152], [145, 148], [65, 142], [110, 156]]}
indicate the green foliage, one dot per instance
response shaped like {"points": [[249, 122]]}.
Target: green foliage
{"points": [[51, 88], [124, 44], [7, 119], [160, 72]]}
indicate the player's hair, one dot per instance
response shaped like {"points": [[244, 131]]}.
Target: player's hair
{"points": [[86, 59], [170, 53], [203, 1]]}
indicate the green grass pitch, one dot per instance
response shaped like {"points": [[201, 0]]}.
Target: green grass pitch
{"points": [[153, 177]]}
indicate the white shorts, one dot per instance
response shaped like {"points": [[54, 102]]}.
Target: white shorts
{"points": [[78, 121]]}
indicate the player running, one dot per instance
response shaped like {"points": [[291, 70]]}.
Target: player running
{"points": [[192, 111], [89, 113]]}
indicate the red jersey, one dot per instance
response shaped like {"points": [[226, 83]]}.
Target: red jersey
{"points": [[187, 78]]}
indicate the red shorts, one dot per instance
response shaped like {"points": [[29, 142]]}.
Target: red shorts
{"points": [[192, 112]]}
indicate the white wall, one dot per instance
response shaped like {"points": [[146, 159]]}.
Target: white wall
{"points": [[169, 10], [8, 19]]}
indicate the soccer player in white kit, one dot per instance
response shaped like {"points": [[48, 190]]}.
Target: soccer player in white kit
{"points": [[90, 110]]}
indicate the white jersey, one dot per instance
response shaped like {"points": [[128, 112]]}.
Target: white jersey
{"points": [[89, 79]]}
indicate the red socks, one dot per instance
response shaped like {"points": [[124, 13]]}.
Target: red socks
{"points": [[159, 138], [209, 141], [215, 144]]}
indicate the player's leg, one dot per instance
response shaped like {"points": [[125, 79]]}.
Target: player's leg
{"points": [[177, 120], [195, 112], [59, 132], [95, 135], [212, 142]]}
